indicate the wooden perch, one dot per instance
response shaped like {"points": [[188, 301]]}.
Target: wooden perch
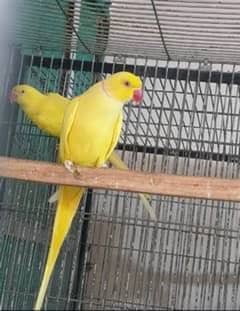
{"points": [[134, 181]]}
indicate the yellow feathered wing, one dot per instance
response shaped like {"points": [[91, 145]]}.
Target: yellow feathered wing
{"points": [[49, 118]]}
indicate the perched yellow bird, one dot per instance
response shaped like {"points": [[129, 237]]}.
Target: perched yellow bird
{"points": [[90, 131], [47, 112]]}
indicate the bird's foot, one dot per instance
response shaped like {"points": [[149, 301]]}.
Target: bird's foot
{"points": [[53, 198], [105, 165], [71, 167]]}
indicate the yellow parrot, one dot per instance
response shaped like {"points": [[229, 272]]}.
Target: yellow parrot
{"points": [[47, 112], [90, 131]]}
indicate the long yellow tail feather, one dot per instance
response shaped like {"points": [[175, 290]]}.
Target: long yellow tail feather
{"points": [[69, 199], [118, 163]]}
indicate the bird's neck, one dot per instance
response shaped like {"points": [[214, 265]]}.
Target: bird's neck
{"points": [[105, 89], [32, 105], [110, 95]]}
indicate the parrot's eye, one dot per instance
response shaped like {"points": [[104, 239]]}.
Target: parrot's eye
{"points": [[22, 91], [127, 83]]}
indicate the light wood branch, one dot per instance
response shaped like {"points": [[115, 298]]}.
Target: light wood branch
{"points": [[133, 181]]}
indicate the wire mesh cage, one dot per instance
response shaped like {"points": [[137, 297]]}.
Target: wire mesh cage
{"points": [[115, 257]]}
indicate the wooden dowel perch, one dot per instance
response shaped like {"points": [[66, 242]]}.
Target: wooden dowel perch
{"points": [[134, 181]]}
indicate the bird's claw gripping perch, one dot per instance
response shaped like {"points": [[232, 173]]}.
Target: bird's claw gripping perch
{"points": [[105, 165], [71, 167]]}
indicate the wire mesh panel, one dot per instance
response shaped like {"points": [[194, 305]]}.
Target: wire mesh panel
{"points": [[174, 29]]}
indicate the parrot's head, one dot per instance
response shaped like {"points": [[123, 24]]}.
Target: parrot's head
{"points": [[23, 94], [124, 86]]}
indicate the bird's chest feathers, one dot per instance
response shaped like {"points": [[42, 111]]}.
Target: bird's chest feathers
{"points": [[92, 133]]}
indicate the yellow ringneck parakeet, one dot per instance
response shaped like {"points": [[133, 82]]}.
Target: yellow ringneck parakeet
{"points": [[90, 131], [47, 112]]}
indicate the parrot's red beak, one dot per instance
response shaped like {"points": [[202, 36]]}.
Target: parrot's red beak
{"points": [[12, 97], [138, 95]]}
